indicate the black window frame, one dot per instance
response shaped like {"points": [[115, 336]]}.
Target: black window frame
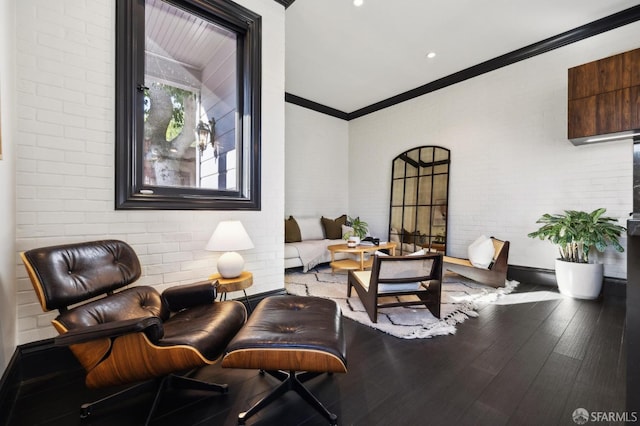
{"points": [[130, 192]]}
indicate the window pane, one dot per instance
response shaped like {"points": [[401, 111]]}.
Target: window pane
{"points": [[190, 101]]}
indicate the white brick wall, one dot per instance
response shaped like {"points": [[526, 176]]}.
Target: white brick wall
{"points": [[317, 163], [510, 157], [65, 155], [7, 187]]}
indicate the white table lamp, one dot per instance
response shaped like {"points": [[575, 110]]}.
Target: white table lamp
{"points": [[228, 237]]}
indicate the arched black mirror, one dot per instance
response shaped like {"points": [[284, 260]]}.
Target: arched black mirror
{"points": [[419, 199]]}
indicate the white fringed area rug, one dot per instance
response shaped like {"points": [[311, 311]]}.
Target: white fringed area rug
{"points": [[461, 298]]}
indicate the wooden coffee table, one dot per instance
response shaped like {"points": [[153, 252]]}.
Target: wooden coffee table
{"points": [[358, 265]]}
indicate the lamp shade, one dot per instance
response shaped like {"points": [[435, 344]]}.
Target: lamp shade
{"points": [[229, 235]]}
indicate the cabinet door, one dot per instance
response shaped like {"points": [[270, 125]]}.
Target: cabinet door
{"points": [[634, 99], [613, 111], [583, 81], [582, 117], [613, 73], [632, 62]]}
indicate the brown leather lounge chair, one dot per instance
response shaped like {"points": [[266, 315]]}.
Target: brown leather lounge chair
{"points": [[392, 277], [136, 335]]}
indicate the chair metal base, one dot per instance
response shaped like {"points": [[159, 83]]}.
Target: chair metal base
{"points": [[171, 381], [290, 381]]}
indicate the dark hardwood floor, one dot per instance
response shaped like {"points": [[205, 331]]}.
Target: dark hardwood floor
{"points": [[519, 364]]}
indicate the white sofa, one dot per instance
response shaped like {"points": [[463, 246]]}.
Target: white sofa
{"points": [[309, 248]]}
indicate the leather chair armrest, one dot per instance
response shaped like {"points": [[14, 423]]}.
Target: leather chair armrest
{"points": [[151, 326], [186, 296]]}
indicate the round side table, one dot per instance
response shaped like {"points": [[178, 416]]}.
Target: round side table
{"points": [[227, 285]]}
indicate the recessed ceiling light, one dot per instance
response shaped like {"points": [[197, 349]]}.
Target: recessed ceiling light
{"points": [[431, 55], [358, 2]]}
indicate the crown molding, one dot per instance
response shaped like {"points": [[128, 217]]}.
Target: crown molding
{"points": [[285, 3], [306, 103], [591, 29]]}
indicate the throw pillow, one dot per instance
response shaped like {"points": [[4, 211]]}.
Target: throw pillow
{"points": [[394, 236], [310, 228], [481, 252], [291, 231], [418, 253], [333, 227]]}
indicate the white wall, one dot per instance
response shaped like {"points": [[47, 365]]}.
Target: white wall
{"points": [[317, 163], [510, 157], [65, 155], [7, 187]]}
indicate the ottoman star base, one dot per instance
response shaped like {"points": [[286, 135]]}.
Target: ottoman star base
{"points": [[292, 338]]}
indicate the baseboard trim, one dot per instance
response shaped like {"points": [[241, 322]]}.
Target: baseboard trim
{"points": [[612, 286]]}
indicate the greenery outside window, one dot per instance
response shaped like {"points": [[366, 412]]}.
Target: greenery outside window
{"points": [[187, 105]]}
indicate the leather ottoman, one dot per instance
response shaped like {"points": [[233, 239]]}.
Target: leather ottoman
{"points": [[292, 338]]}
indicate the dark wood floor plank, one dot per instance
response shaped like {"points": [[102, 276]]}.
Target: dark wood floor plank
{"points": [[600, 382], [504, 348], [544, 401], [453, 400], [509, 386], [480, 414], [558, 320], [575, 339]]}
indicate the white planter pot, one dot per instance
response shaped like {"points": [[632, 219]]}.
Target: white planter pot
{"points": [[353, 241], [579, 280]]}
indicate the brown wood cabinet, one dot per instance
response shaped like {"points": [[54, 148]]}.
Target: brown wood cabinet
{"points": [[604, 96]]}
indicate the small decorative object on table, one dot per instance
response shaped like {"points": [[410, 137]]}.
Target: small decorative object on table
{"points": [[371, 241], [356, 230]]}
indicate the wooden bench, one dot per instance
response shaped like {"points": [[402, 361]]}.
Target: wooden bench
{"points": [[494, 276]]}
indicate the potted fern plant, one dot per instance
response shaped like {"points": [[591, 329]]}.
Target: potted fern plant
{"points": [[359, 229], [576, 233]]}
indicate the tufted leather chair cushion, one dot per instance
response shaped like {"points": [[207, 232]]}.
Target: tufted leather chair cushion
{"points": [[135, 302], [80, 271], [207, 328]]}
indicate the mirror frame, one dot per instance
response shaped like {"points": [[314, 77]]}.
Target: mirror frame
{"points": [[130, 191]]}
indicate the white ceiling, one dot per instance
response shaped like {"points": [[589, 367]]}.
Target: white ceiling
{"points": [[348, 57]]}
